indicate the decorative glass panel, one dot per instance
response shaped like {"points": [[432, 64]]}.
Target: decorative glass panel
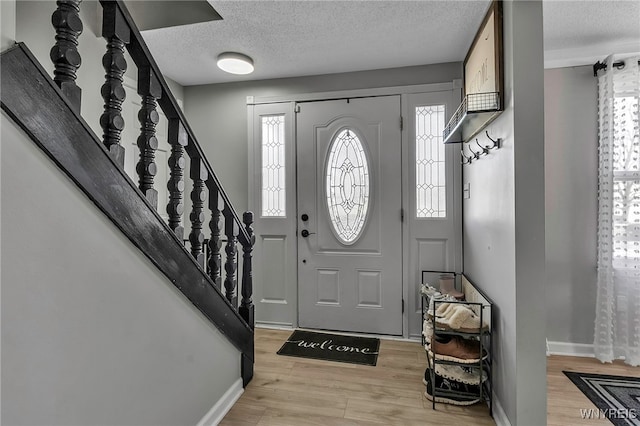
{"points": [[347, 185], [273, 167], [431, 197]]}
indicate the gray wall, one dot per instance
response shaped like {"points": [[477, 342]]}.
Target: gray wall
{"points": [[92, 333], [218, 113], [503, 222], [7, 23], [571, 206]]}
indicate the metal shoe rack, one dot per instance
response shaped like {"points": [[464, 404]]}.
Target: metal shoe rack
{"points": [[482, 306]]}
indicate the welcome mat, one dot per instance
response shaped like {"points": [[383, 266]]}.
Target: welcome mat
{"points": [[617, 397], [332, 347]]}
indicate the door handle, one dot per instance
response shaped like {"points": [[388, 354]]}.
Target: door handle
{"points": [[306, 233]]}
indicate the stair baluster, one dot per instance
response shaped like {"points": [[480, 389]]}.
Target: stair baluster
{"points": [[175, 208], [215, 259], [247, 309], [64, 54], [117, 34], [198, 196], [230, 267], [149, 90]]}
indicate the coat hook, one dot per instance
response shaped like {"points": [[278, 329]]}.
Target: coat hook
{"points": [[476, 155], [496, 143], [485, 149], [467, 160]]}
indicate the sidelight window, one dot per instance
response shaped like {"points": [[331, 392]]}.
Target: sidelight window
{"points": [[431, 201], [273, 166]]}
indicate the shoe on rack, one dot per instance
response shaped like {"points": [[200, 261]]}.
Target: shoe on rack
{"points": [[455, 348], [436, 301], [447, 286], [466, 375], [427, 331], [446, 385], [442, 308], [428, 290], [446, 308], [459, 317]]}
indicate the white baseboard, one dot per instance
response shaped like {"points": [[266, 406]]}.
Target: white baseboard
{"points": [[499, 416], [570, 349], [275, 325], [224, 404]]}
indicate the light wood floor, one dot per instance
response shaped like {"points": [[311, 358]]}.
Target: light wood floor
{"points": [[297, 391], [564, 399]]}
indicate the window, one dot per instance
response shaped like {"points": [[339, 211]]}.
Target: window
{"points": [[273, 166], [626, 181], [431, 200], [347, 186]]}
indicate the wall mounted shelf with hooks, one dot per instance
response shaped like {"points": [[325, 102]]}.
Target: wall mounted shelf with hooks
{"points": [[483, 149], [475, 112]]}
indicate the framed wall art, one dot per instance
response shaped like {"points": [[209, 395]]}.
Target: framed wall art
{"points": [[483, 85], [483, 65]]}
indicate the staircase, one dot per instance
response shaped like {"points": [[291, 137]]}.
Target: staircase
{"points": [[48, 110]]}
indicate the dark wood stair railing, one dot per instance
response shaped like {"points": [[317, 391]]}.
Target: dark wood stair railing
{"points": [[121, 33]]}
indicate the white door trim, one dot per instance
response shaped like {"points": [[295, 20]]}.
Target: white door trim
{"points": [[355, 93]]}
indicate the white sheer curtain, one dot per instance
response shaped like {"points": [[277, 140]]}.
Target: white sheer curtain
{"points": [[617, 330]]}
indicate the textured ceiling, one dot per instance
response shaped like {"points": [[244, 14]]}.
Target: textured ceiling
{"points": [[296, 38], [583, 32], [304, 37], [574, 24]]}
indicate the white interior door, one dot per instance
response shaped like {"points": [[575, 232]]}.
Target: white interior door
{"points": [[349, 161]]}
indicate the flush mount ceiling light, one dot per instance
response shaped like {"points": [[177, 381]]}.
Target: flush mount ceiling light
{"points": [[235, 63]]}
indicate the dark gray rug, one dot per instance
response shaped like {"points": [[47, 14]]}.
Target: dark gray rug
{"points": [[332, 347], [617, 397]]}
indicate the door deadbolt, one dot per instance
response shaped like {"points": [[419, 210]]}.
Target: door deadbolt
{"points": [[304, 217]]}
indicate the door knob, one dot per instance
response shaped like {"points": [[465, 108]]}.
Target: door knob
{"points": [[306, 233]]}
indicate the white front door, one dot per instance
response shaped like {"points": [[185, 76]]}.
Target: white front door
{"points": [[349, 195]]}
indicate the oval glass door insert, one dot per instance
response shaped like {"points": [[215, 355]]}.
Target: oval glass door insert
{"points": [[347, 186]]}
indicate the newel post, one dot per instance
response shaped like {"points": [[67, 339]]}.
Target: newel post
{"points": [[64, 54], [247, 309]]}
